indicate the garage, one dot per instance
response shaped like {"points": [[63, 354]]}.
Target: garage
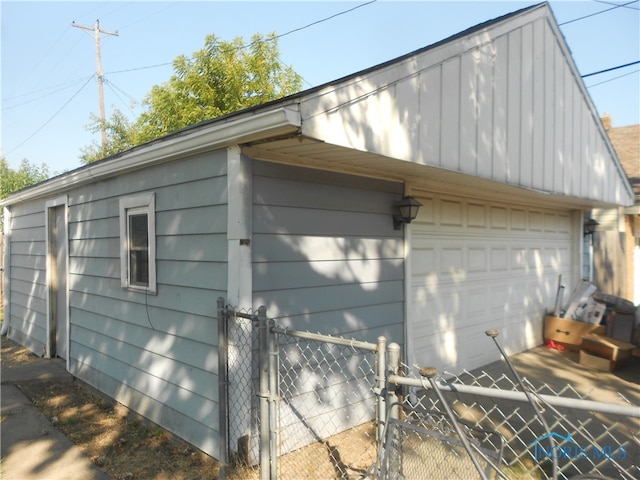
{"points": [[479, 264]]}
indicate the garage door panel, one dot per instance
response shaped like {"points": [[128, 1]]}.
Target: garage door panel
{"points": [[479, 265], [442, 347], [499, 257], [447, 350], [518, 219], [478, 259], [477, 214]]}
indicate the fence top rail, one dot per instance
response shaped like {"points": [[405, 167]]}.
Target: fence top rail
{"points": [[235, 313], [557, 401], [356, 344]]}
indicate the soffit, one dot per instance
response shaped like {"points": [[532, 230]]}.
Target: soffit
{"points": [[311, 153]]}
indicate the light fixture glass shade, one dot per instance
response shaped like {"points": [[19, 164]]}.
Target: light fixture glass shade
{"points": [[590, 226], [406, 210]]}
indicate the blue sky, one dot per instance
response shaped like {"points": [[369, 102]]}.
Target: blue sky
{"points": [[48, 85]]}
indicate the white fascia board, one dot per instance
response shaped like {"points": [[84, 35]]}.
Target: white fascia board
{"points": [[249, 127]]}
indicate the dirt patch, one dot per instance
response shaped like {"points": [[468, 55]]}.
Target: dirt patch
{"points": [[127, 446], [347, 455], [121, 443]]}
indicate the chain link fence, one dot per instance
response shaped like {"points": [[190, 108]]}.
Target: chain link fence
{"points": [[303, 405], [584, 436], [238, 373], [327, 405]]}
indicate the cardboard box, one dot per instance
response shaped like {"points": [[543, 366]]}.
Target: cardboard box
{"points": [[568, 332], [595, 362], [605, 353]]}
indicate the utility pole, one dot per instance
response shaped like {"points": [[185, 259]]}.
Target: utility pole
{"points": [[96, 34]]}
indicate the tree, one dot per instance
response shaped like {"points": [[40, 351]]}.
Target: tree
{"points": [[13, 180], [121, 135], [221, 78]]}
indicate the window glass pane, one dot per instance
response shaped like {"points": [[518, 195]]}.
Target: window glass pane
{"points": [[138, 250], [139, 267], [138, 231]]}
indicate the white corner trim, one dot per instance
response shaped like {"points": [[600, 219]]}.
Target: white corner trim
{"points": [[239, 228], [5, 274]]}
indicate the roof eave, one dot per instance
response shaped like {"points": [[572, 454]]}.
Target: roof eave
{"points": [[283, 119]]}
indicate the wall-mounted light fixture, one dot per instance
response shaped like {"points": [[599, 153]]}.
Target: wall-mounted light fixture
{"points": [[590, 226], [405, 211]]}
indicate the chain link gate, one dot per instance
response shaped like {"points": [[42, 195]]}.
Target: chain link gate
{"points": [[330, 407], [238, 380], [296, 404]]}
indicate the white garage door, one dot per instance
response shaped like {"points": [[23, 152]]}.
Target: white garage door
{"points": [[477, 265]]}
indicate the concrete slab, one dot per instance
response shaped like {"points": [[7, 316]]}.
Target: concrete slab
{"points": [[31, 448]]}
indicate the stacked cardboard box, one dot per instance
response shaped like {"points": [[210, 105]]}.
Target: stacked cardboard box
{"points": [[604, 353], [568, 333], [604, 343]]}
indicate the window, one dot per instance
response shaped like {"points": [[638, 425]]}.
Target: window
{"points": [[137, 243]]}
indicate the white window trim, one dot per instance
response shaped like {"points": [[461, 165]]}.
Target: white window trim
{"points": [[147, 202]]}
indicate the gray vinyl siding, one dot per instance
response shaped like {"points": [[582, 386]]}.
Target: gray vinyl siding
{"points": [[325, 255], [28, 282], [156, 354], [326, 258]]}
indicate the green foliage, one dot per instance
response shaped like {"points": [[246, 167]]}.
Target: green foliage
{"points": [[221, 78], [13, 180], [121, 135]]}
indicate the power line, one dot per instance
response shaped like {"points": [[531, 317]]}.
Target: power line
{"points": [[264, 40], [115, 89], [113, 85], [614, 78], [597, 13], [616, 4], [46, 55], [56, 88], [170, 63], [148, 15], [324, 19], [141, 68], [610, 69], [52, 117]]}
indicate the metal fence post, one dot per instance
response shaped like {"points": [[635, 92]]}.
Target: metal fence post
{"points": [[264, 394], [273, 398], [393, 368], [381, 381], [223, 412]]}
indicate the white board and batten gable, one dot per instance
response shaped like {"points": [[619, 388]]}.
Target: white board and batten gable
{"points": [[502, 101]]}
